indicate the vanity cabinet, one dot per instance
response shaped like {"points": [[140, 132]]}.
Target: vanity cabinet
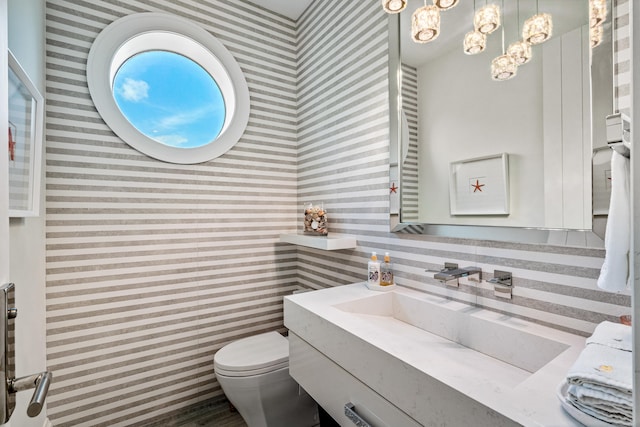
{"points": [[333, 387]]}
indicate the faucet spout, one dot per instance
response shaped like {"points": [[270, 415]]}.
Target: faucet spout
{"points": [[457, 273], [450, 276]]}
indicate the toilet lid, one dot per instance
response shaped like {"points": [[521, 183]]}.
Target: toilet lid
{"points": [[253, 355]]}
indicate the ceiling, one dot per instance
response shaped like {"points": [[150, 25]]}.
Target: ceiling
{"points": [[290, 8]]}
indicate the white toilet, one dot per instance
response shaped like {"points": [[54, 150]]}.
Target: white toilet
{"points": [[254, 375]]}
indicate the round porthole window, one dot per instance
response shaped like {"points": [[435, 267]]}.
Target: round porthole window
{"points": [[168, 88], [170, 99]]}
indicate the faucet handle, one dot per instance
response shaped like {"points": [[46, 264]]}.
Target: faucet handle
{"points": [[501, 277], [502, 284], [450, 266]]}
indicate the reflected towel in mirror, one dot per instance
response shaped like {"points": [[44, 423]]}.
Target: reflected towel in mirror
{"points": [[614, 275]]}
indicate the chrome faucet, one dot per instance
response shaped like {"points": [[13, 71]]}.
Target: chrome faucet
{"points": [[451, 273]]}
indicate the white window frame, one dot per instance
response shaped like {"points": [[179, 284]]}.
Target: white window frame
{"points": [[149, 31]]}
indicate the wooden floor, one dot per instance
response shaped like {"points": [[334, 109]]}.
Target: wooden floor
{"points": [[215, 414], [219, 416]]}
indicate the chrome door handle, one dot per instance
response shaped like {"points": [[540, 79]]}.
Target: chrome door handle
{"points": [[350, 412]]}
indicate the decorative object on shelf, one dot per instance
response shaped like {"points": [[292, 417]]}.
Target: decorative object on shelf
{"points": [[425, 24], [26, 123], [315, 220], [487, 19], [394, 6]]}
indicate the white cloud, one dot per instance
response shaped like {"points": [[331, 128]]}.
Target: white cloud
{"points": [[172, 140], [134, 90], [183, 118]]}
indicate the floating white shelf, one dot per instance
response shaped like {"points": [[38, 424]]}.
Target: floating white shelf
{"points": [[332, 242]]}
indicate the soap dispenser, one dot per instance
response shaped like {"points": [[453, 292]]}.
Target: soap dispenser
{"points": [[386, 271], [373, 277]]}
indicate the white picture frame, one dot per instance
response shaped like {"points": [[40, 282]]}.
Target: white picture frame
{"points": [[26, 122], [480, 186]]}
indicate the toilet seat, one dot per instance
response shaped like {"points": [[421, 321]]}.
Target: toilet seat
{"points": [[253, 355]]}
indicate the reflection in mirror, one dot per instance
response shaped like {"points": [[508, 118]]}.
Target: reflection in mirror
{"points": [[454, 113]]}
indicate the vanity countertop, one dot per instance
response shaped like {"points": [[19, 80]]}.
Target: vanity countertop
{"points": [[429, 377]]}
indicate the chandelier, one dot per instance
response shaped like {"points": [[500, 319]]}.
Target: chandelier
{"points": [[537, 29], [425, 27], [597, 17], [394, 6], [425, 21], [487, 19], [425, 24]]}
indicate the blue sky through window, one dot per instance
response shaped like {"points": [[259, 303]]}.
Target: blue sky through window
{"points": [[169, 98]]}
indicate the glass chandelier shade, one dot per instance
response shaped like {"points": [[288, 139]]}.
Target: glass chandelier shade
{"points": [[425, 24], [394, 6], [445, 4], [537, 29], [503, 68], [520, 51], [595, 35], [474, 42], [487, 19], [597, 12]]}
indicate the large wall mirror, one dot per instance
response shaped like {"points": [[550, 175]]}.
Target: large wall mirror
{"points": [[521, 160]]}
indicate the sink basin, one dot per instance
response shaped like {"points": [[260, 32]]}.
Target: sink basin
{"points": [[439, 361], [502, 337]]}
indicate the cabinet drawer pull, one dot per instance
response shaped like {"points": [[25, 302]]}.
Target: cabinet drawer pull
{"points": [[350, 412]]}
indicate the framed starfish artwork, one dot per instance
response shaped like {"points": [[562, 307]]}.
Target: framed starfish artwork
{"points": [[479, 186]]}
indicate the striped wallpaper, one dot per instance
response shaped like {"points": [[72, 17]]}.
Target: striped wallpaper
{"points": [[409, 87], [152, 267], [622, 55]]}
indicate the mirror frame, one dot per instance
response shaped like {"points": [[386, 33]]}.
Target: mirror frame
{"points": [[525, 235]]}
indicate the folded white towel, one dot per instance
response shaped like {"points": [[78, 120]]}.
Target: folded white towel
{"points": [[614, 335], [601, 405], [614, 275], [607, 393], [603, 365]]}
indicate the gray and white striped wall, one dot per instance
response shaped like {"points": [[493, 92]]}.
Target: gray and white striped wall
{"points": [[152, 267]]}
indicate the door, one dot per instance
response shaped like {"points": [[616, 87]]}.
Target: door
{"points": [[4, 158]]}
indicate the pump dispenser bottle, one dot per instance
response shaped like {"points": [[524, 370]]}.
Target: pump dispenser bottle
{"points": [[374, 270], [386, 271]]}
